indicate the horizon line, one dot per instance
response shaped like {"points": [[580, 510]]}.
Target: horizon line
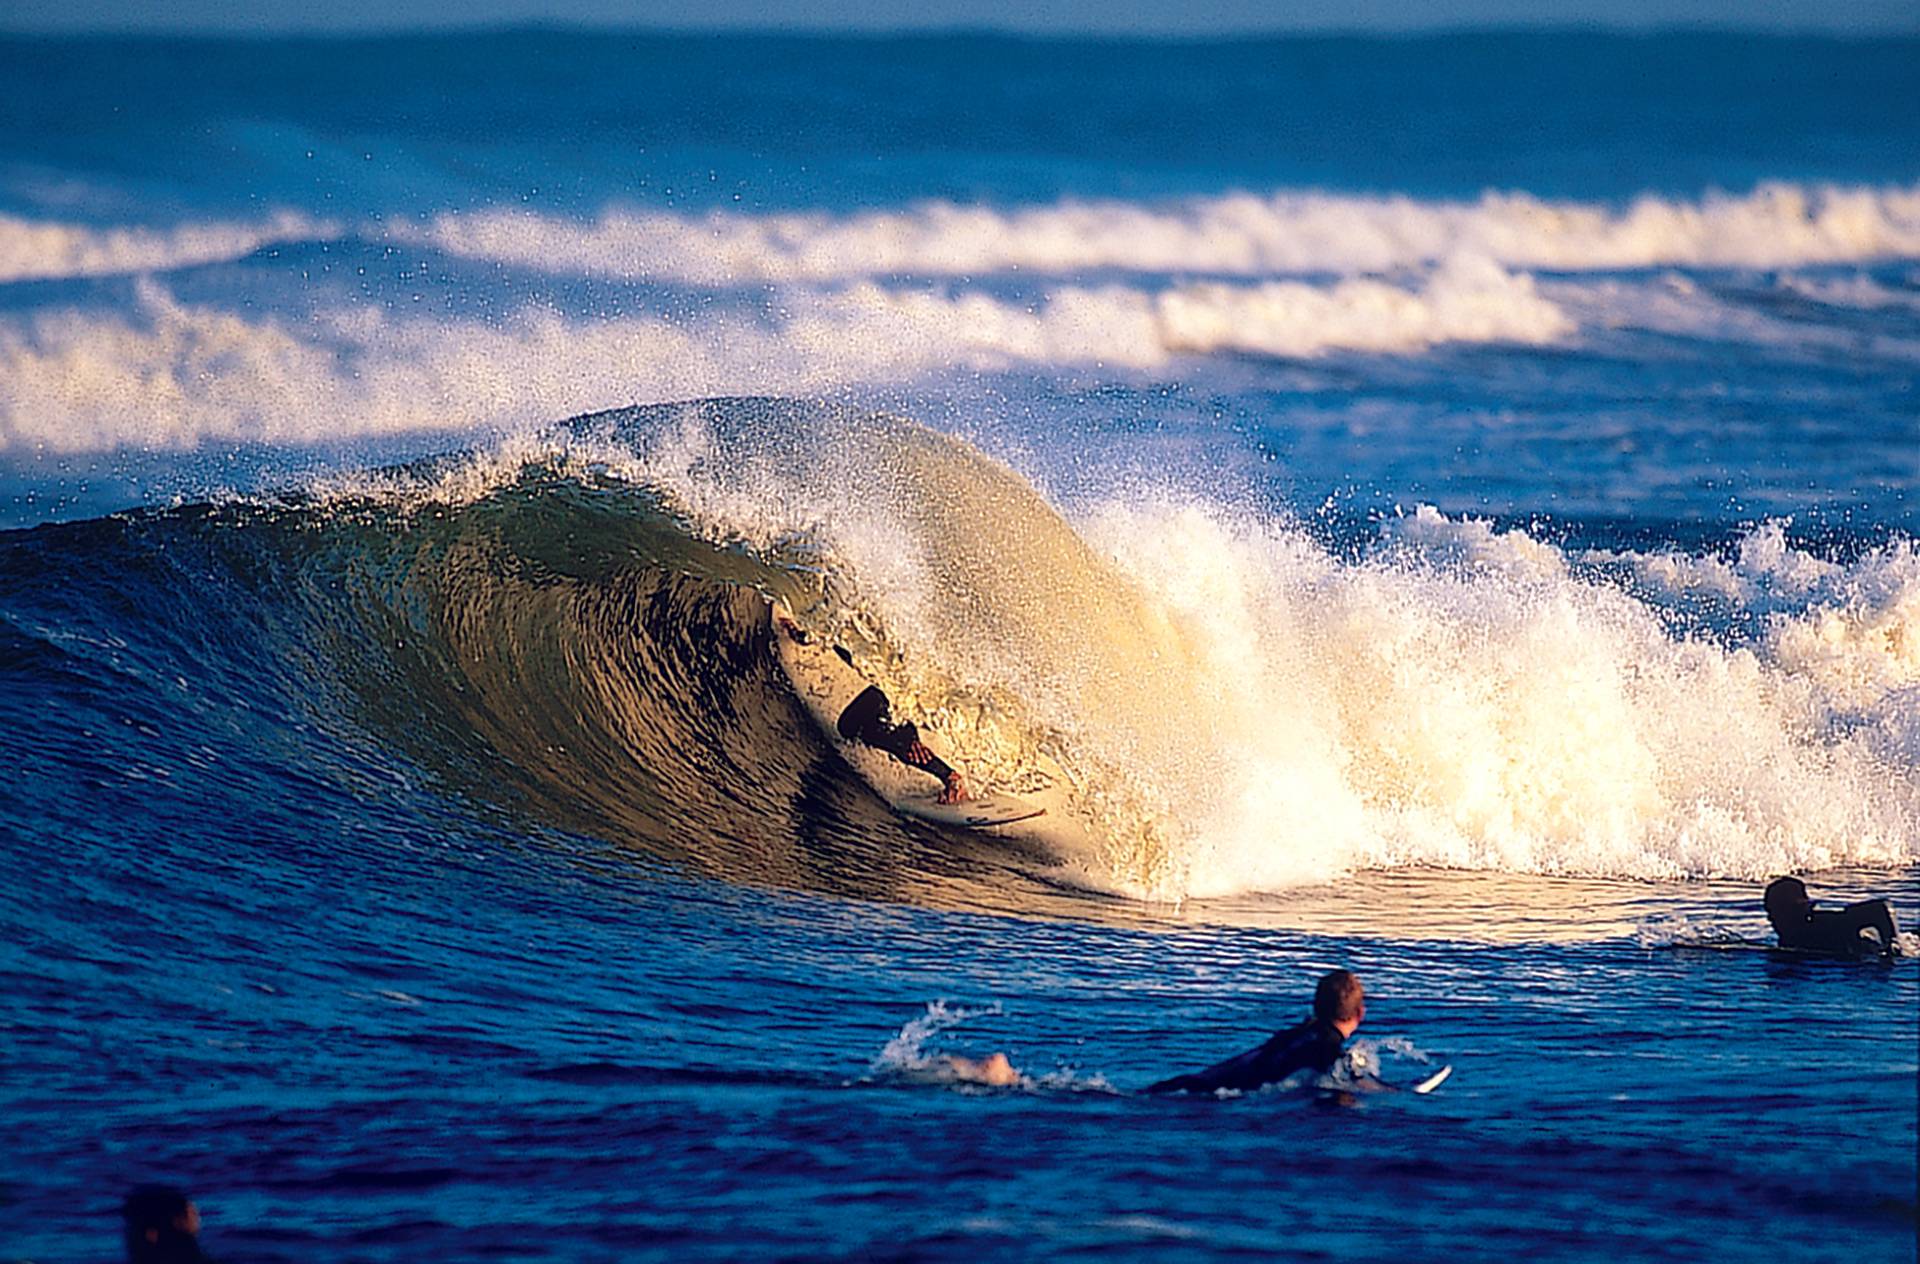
{"points": [[960, 31]]}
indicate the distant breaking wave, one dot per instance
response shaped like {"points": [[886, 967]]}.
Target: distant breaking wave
{"points": [[162, 373], [897, 299], [172, 374], [34, 250], [1776, 225]]}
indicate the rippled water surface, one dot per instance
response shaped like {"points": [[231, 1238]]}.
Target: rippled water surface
{"points": [[1440, 507]]}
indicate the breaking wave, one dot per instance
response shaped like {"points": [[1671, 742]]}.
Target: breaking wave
{"points": [[170, 374], [572, 626], [1776, 225]]}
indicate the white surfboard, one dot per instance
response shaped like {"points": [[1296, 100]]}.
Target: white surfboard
{"points": [[825, 685], [1435, 1080], [980, 811]]}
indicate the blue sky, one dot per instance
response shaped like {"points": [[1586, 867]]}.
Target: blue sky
{"points": [[1194, 17]]}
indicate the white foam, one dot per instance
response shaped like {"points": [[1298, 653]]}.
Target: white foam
{"points": [[1468, 300], [1850, 632], [1857, 291], [41, 249], [1776, 225], [1464, 699], [174, 375], [906, 1051]]}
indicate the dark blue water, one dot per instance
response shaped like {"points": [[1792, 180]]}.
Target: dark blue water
{"points": [[573, 118], [1483, 591]]}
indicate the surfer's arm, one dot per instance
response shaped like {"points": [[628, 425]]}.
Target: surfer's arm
{"points": [[1843, 932], [1875, 916], [914, 753], [868, 719]]}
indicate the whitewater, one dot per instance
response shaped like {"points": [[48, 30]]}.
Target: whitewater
{"points": [[1443, 507]]}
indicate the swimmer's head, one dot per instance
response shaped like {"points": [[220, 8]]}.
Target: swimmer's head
{"points": [[1339, 999], [996, 1070], [1787, 901], [158, 1221]]}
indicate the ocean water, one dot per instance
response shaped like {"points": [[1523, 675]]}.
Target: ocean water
{"points": [[1443, 506]]}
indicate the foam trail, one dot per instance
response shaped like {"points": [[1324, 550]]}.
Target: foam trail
{"points": [[1674, 304], [1677, 930], [906, 1052], [905, 1057]]}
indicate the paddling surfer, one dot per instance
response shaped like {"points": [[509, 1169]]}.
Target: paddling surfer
{"points": [[868, 719], [1865, 929], [1339, 1004]]}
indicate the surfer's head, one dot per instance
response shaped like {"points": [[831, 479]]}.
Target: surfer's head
{"points": [[1787, 901], [1340, 1000], [160, 1221]]}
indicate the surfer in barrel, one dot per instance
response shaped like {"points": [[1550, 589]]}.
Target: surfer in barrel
{"points": [[868, 719], [1339, 1004], [1865, 929]]}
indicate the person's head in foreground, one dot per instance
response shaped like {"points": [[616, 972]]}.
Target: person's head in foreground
{"points": [[1340, 1001], [161, 1225], [1787, 903]]}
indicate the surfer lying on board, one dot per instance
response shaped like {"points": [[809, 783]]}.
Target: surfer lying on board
{"points": [[1859, 930], [1339, 1003], [868, 719]]}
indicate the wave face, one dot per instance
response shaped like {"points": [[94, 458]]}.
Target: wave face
{"points": [[572, 628]]}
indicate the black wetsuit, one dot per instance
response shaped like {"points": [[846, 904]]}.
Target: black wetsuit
{"points": [[1838, 931], [1315, 1043], [869, 719]]}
